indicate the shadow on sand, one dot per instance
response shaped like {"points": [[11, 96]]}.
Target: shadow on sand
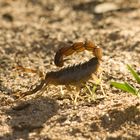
{"points": [[28, 116]]}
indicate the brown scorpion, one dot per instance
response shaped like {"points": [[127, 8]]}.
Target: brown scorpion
{"points": [[71, 75]]}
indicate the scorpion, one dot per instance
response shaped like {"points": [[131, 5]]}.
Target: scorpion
{"points": [[71, 75]]}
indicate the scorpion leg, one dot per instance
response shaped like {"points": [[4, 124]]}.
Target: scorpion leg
{"points": [[30, 70], [61, 90], [74, 96]]}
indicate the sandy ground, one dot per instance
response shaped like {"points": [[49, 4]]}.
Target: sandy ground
{"points": [[31, 31]]}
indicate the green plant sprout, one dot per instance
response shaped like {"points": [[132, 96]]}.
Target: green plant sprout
{"points": [[125, 86]]}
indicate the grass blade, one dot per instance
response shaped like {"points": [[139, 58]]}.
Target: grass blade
{"points": [[121, 86], [125, 87], [131, 89], [134, 73]]}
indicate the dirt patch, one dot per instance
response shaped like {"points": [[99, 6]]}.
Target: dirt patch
{"points": [[31, 31]]}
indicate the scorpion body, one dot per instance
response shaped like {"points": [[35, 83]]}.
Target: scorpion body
{"points": [[73, 75]]}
